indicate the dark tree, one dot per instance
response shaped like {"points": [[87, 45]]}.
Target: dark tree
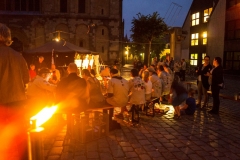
{"points": [[148, 29]]}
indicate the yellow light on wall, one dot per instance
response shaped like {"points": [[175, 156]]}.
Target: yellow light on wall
{"points": [[204, 34]]}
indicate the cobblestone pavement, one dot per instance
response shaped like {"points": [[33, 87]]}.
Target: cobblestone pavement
{"points": [[201, 136]]}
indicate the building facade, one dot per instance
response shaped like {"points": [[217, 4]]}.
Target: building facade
{"points": [[92, 24], [196, 25], [213, 28]]}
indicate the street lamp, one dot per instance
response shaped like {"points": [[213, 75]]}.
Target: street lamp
{"points": [[127, 51]]}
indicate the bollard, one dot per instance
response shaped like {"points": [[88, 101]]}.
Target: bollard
{"points": [[35, 143]]}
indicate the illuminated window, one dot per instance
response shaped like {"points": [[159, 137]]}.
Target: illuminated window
{"points": [[195, 19], [206, 14], [193, 59], [194, 39], [204, 38], [203, 55]]}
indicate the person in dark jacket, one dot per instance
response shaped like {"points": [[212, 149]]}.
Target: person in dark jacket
{"points": [[40, 64], [203, 85], [14, 78], [71, 94], [216, 81]]}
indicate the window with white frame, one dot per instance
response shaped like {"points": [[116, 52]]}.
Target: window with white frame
{"points": [[194, 39], [195, 19], [206, 14], [204, 42]]}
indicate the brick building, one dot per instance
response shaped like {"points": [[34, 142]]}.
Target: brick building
{"points": [[93, 24]]}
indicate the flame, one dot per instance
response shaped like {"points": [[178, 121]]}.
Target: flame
{"points": [[44, 115]]}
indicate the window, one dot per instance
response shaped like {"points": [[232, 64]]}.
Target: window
{"points": [[232, 60], [204, 42], [193, 59], [20, 5], [231, 3], [63, 6], [102, 11], [34, 5], [102, 31], [206, 14], [195, 19], [194, 39], [81, 6], [233, 29], [203, 55]]}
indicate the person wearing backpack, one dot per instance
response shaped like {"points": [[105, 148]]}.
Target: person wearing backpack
{"points": [[216, 82]]}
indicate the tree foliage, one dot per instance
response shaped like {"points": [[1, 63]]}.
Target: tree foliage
{"points": [[148, 29]]}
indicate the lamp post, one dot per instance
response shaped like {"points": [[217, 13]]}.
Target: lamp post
{"points": [[126, 52]]}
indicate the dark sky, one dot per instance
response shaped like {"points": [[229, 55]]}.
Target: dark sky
{"points": [[173, 11]]}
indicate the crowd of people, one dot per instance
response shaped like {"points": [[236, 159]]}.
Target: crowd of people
{"points": [[75, 93]]}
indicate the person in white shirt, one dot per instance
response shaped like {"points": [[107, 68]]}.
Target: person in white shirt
{"points": [[117, 90], [148, 86]]}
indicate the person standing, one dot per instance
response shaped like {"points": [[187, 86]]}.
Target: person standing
{"points": [[40, 64], [55, 75], [202, 81], [171, 63], [177, 68], [216, 82], [183, 69], [14, 77]]}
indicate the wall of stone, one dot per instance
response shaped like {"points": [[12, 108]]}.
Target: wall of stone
{"points": [[35, 29]]}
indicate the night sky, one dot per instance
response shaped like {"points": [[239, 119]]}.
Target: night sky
{"points": [[173, 11]]}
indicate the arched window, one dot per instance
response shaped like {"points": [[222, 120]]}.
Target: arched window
{"points": [[81, 6]]}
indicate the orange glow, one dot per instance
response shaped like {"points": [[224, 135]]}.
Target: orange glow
{"points": [[44, 115]]}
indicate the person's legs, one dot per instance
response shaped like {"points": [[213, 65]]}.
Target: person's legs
{"points": [[183, 75], [205, 96], [177, 110], [216, 101], [200, 92]]}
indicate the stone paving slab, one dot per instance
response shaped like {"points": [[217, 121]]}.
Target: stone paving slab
{"points": [[201, 136]]}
